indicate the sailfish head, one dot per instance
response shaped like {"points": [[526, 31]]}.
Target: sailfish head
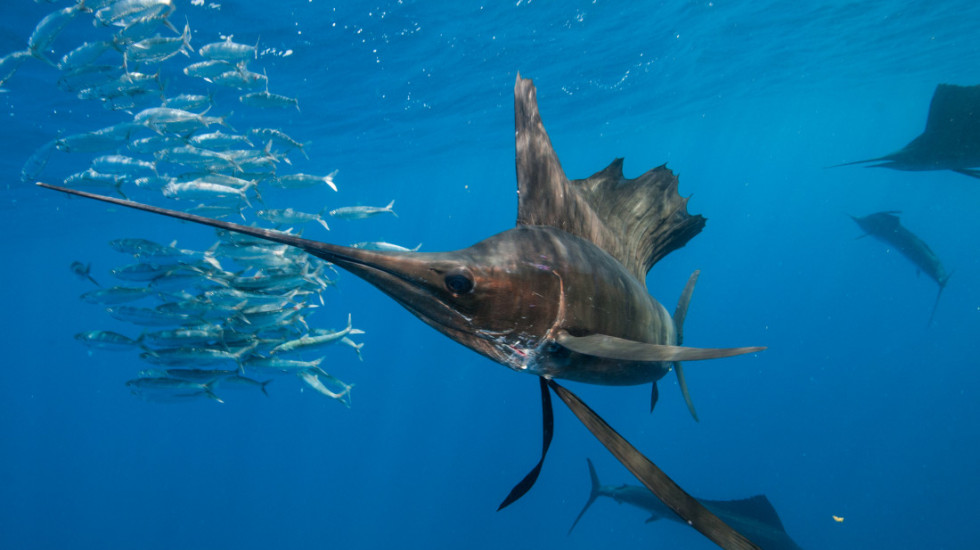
{"points": [[488, 297]]}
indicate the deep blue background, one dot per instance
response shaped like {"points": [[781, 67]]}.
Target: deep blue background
{"points": [[857, 409]]}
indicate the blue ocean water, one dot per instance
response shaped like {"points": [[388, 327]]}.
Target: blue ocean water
{"points": [[858, 409]]}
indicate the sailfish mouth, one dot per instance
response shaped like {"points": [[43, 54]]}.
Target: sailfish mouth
{"points": [[405, 276]]}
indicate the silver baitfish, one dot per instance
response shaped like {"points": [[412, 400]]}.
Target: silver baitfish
{"points": [[280, 138], [178, 121], [104, 339], [267, 100], [84, 55], [381, 245], [48, 30], [227, 50], [158, 48], [219, 141], [115, 295], [148, 317], [241, 79], [289, 216], [189, 102], [170, 390], [123, 165], [303, 181], [315, 339], [361, 212], [208, 69], [313, 380], [97, 141]]}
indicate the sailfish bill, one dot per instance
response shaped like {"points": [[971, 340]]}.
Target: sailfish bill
{"points": [[562, 295]]}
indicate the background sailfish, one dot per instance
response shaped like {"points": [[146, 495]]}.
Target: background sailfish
{"points": [[561, 295], [951, 139], [886, 227]]}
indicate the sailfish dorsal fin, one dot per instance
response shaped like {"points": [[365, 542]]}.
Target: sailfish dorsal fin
{"points": [[637, 221]]}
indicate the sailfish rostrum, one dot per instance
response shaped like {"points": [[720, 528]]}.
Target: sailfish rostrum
{"points": [[561, 296]]}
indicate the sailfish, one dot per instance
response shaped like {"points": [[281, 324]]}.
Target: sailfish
{"points": [[560, 296], [950, 141]]}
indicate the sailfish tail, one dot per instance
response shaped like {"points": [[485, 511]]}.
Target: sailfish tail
{"points": [[592, 496], [942, 287]]}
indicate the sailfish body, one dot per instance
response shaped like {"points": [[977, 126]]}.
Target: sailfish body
{"points": [[523, 288], [561, 296]]}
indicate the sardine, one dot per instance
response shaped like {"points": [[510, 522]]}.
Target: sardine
{"points": [[189, 102], [219, 141], [266, 100], [241, 78], [303, 181], [289, 216], [381, 245], [104, 139], [313, 340], [165, 119], [315, 382], [104, 339], [115, 295], [48, 30], [229, 51], [361, 212], [83, 55], [147, 316], [279, 138], [170, 390], [208, 69], [158, 48], [122, 165]]}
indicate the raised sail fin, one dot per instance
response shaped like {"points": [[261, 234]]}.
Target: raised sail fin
{"points": [[637, 221]]}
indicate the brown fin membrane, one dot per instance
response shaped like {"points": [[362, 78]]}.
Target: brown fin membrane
{"points": [[548, 430], [637, 221], [686, 506]]}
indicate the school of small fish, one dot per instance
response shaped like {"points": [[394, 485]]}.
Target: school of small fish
{"points": [[208, 321]]}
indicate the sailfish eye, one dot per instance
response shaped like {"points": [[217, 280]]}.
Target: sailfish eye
{"points": [[459, 282]]}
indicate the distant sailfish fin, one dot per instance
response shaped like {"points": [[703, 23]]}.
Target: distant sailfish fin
{"points": [[683, 504], [611, 347], [594, 494]]}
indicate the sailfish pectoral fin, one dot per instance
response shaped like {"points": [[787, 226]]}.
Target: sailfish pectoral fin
{"points": [[686, 506], [548, 420], [611, 347]]}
